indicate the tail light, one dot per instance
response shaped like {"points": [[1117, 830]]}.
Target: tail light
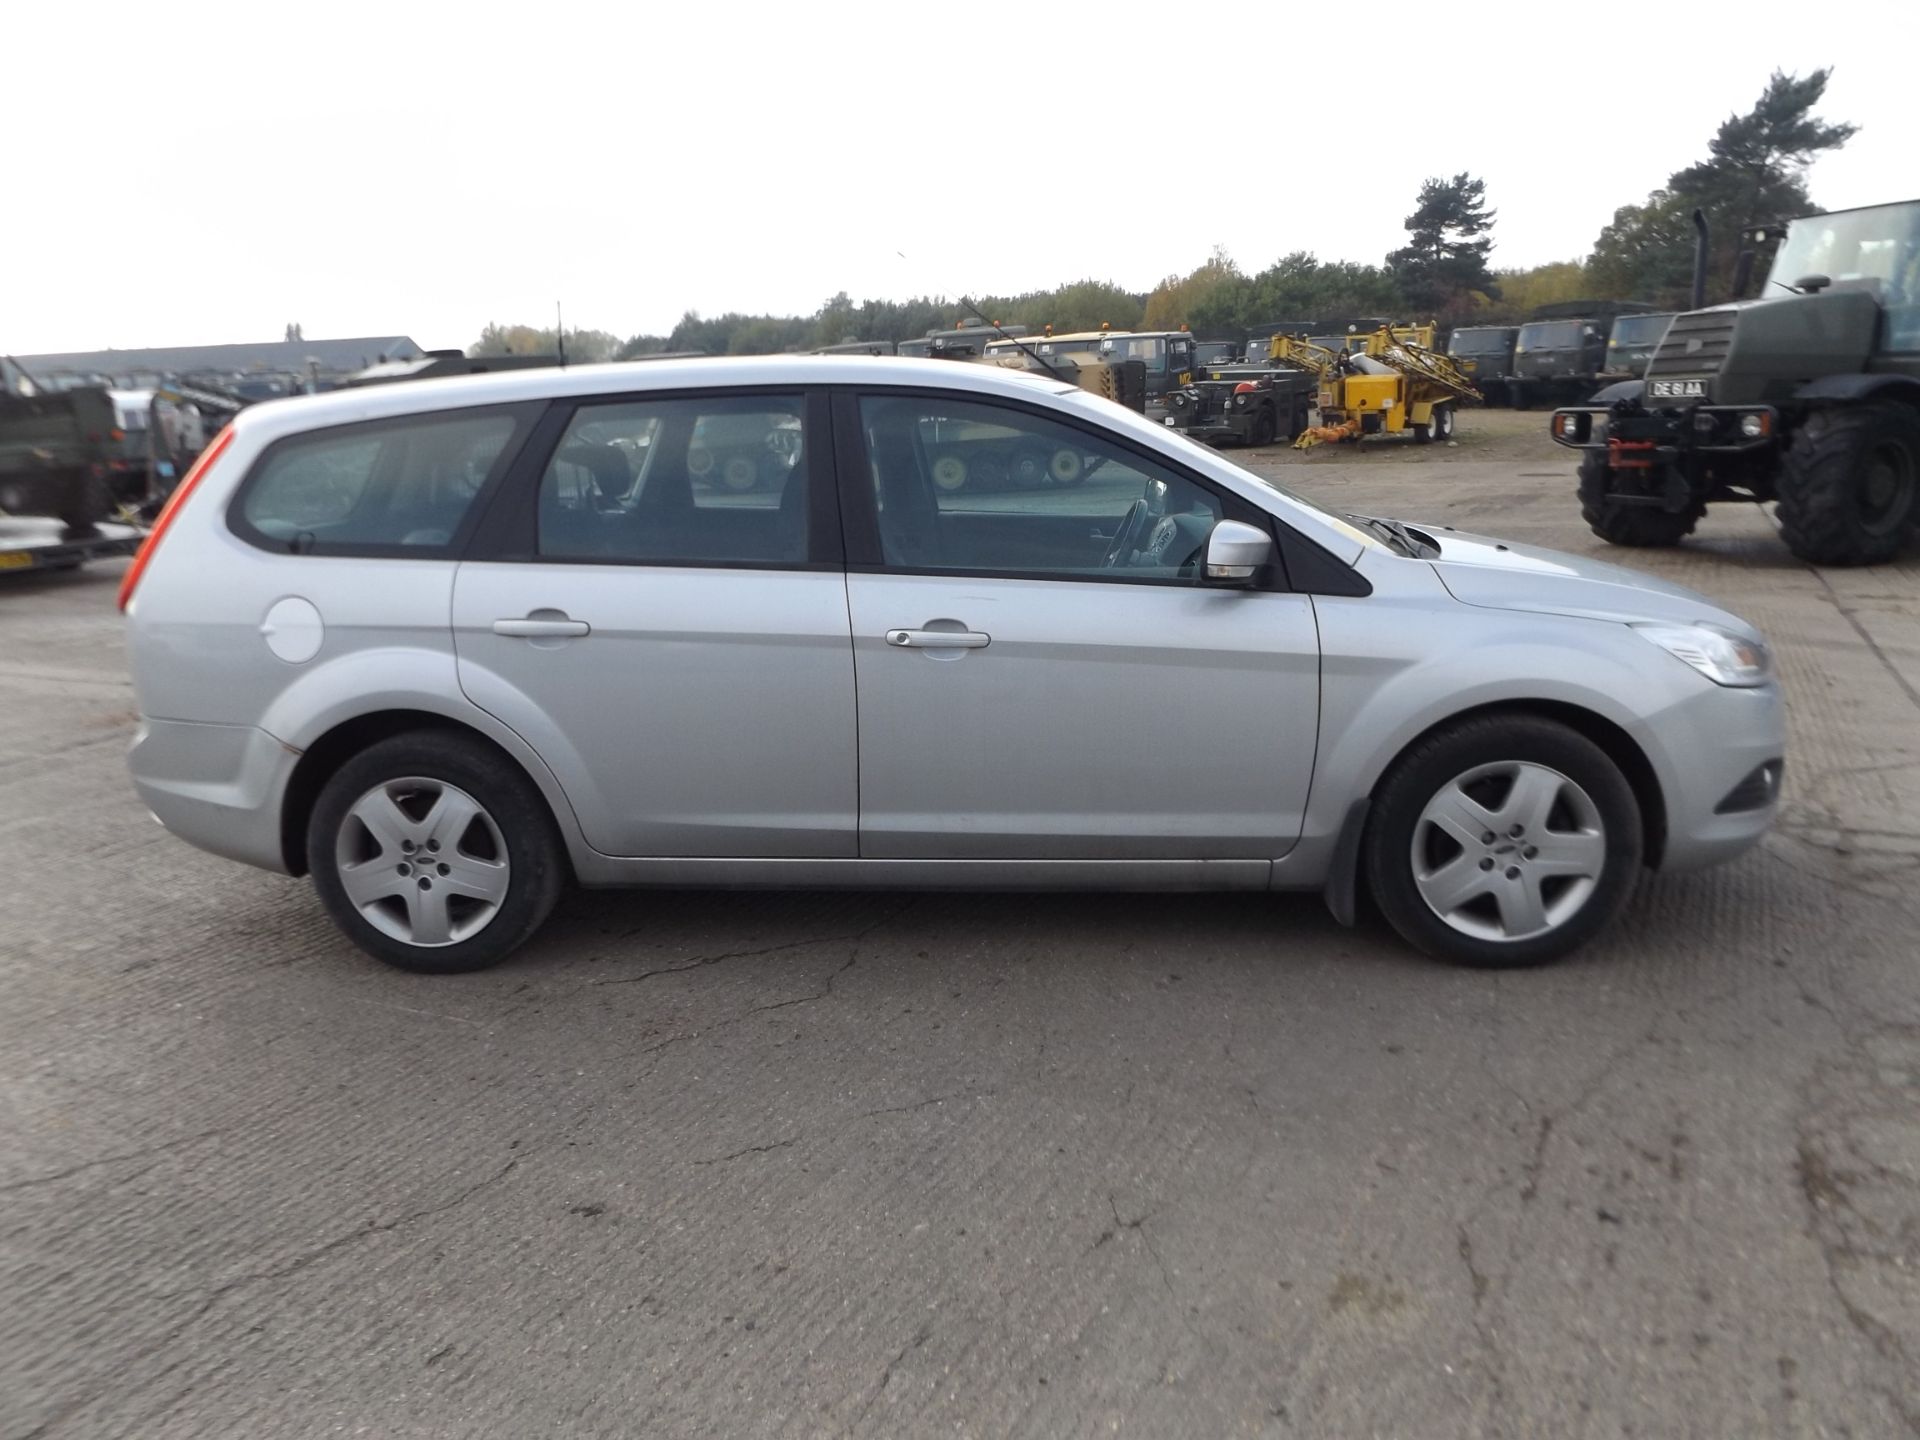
{"points": [[168, 511]]}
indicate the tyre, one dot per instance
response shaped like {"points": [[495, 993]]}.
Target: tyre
{"points": [[740, 473], [1027, 469], [1422, 434], [1263, 429], [1067, 466], [1847, 485], [949, 472], [1518, 398], [1640, 526], [434, 852], [1502, 841], [84, 502], [1443, 423]]}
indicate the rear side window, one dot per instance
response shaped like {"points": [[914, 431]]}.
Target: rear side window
{"points": [[719, 481], [399, 487]]}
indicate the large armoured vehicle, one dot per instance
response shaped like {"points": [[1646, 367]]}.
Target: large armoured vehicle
{"points": [[1808, 395], [1167, 356], [1485, 352], [1560, 352], [1631, 343], [966, 341]]}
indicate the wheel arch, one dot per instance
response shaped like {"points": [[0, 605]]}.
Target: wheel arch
{"points": [[1613, 741], [1860, 388], [324, 757]]}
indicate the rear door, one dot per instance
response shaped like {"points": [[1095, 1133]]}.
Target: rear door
{"points": [[1041, 672], [658, 606]]}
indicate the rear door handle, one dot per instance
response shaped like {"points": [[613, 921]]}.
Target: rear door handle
{"points": [[938, 639], [532, 629]]}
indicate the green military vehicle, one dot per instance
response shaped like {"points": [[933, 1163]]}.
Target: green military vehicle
{"points": [[1485, 352], [69, 461], [1630, 345], [1808, 395], [1560, 352]]}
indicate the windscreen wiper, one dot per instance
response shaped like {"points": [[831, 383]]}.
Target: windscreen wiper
{"points": [[1396, 535]]}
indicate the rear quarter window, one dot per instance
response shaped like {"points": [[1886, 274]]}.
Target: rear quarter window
{"points": [[404, 487]]}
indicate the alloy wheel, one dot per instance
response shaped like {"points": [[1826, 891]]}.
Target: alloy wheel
{"points": [[422, 861], [1508, 851]]}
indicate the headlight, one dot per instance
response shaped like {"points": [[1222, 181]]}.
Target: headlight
{"points": [[1722, 656]]}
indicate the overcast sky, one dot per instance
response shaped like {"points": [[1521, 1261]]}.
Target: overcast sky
{"points": [[185, 176]]}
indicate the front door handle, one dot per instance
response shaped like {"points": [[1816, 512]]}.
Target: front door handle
{"points": [[938, 639], [532, 628]]}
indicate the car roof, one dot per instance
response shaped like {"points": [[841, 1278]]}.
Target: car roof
{"points": [[373, 402]]}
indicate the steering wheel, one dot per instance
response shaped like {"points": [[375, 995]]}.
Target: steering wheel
{"points": [[1131, 526]]}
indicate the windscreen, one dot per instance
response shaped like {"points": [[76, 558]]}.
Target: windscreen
{"points": [[1551, 335], [1479, 342], [1874, 248], [1639, 329]]}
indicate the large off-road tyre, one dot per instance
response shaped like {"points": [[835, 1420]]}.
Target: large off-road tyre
{"points": [[434, 852], [1443, 423], [1640, 526], [1263, 428], [1502, 841], [1849, 484]]}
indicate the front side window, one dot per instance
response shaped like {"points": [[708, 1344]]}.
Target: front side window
{"points": [[401, 485], [679, 481], [966, 486]]}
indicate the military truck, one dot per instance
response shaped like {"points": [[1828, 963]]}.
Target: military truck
{"points": [[1243, 404], [1561, 350], [968, 340], [1808, 395], [1630, 345], [1485, 352], [66, 467]]}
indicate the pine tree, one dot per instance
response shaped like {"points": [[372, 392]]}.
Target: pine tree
{"points": [[1445, 263]]}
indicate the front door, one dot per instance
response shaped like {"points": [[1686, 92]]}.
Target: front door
{"points": [[1041, 672], [665, 622]]}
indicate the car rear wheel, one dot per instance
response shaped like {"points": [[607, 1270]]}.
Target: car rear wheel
{"points": [[1503, 841], [434, 852]]}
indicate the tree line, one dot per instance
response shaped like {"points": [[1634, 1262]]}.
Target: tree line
{"points": [[1754, 173]]}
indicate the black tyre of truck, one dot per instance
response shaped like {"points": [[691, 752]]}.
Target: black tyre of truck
{"points": [[1517, 396], [434, 852], [1263, 428], [1640, 526], [84, 502], [1503, 841], [1849, 485]]}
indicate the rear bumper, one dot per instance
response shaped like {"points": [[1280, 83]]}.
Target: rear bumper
{"points": [[1709, 747], [219, 787]]}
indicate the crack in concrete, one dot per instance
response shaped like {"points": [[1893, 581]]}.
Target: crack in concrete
{"points": [[86, 1165], [219, 1292], [920, 1338], [750, 1150]]}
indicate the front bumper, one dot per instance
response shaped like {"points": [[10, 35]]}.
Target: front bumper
{"points": [[1234, 426], [1649, 435], [1707, 750], [220, 787]]}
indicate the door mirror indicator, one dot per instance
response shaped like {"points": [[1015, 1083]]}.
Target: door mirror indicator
{"points": [[1235, 550]]}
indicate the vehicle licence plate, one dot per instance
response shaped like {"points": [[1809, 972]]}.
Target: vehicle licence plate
{"points": [[15, 559], [1677, 389]]}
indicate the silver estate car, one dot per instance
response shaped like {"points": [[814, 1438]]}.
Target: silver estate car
{"points": [[851, 621]]}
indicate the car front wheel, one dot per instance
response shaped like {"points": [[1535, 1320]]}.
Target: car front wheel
{"points": [[1503, 841], [433, 852]]}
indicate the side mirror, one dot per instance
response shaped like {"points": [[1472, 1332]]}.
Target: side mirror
{"points": [[1235, 550]]}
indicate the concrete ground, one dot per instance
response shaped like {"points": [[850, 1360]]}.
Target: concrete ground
{"points": [[883, 1165]]}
